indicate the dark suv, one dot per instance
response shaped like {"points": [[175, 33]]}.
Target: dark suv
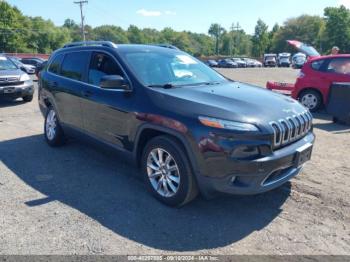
{"points": [[189, 128]]}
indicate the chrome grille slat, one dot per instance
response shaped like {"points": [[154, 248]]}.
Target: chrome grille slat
{"points": [[290, 129]]}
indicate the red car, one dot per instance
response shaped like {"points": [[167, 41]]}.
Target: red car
{"points": [[316, 77]]}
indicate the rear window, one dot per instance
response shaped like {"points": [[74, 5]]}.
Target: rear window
{"points": [[56, 64], [74, 65], [317, 65]]}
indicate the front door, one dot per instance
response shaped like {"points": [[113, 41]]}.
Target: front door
{"points": [[106, 111]]}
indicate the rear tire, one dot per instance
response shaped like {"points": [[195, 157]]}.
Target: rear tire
{"points": [[311, 99], [167, 172], [28, 99], [52, 129]]}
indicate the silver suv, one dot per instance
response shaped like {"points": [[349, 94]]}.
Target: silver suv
{"points": [[14, 83]]}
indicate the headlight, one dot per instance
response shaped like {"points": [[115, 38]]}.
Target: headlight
{"points": [[24, 78], [226, 124]]}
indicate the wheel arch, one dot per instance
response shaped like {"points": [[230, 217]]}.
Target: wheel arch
{"points": [[149, 131], [311, 89]]}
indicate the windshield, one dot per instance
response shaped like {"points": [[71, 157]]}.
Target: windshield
{"points": [[176, 69], [6, 64], [18, 63]]}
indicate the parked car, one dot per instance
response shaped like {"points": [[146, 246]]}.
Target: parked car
{"points": [[33, 61], [270, 60], [316, 77], [249, 62], [298, 60], [212, 63], [257, 63], [241, 63], [283, 60], [202, 133], [227, 63], [29, 69], [14, 83]]}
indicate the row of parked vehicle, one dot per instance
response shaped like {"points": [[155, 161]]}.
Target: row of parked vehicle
{"points": [[285, 60], [30, 65], [234, 62], [270, 60]]}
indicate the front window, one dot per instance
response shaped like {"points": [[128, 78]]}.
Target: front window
{"points": [[339, 66], [6, 64], [100, 66], [177, 69]]}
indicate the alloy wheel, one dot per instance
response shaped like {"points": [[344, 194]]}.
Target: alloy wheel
{"points": [[163, 172], [51, 124]]}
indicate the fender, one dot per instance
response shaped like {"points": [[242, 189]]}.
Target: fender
{"points": [[171, 132]]}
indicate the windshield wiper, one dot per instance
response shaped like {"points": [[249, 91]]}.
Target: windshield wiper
{"points": [[165, 86], [202, 84]]}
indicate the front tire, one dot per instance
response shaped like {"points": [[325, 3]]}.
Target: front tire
{"points": [[311, 100], [167, 172], [52, 129]]}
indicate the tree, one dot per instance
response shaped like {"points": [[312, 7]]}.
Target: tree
{"points": [[216, 31], [11, 38], [260, 39], [337, 30], [110, 33], [305, 28]]}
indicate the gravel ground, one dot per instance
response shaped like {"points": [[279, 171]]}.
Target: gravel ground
{"points": [[79, 199]]}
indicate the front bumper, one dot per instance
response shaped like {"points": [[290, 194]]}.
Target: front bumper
{"points": [[256, 176], [17, 91]]}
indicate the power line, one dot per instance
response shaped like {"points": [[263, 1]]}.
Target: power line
{"points": [[81, 4]]}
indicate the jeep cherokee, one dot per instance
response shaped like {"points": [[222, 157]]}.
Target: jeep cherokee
{"points": [[189, 128]]}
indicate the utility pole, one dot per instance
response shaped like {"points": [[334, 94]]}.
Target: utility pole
{"points": [[81, 3], [235, 28]]}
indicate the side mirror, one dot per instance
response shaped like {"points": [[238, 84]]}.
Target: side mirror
{"points": [[23, 68], [114, 82]]}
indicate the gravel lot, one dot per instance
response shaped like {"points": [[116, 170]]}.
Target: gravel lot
{"points": [[83, 200]]}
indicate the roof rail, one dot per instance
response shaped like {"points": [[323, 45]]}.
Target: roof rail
{"points": [[167, 46], [91, 43]]}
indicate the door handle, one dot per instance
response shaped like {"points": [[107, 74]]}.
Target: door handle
{"points": [[87, 93]]}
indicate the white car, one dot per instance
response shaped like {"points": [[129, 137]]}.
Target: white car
{"points": [[29, 69]]}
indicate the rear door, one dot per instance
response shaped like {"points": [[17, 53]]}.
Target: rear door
{"points": [[68, 88], [335, 70], [106, 111]]}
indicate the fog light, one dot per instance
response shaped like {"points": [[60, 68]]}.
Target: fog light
{"points": [[246, 152]]}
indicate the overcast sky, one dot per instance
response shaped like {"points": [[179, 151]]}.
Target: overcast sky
{"points": [[192, 15]]}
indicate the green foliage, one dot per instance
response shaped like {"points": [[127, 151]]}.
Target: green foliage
{"points": [[19, 33], [305, 28], [216, 31], [260, 39], [337, 29]]}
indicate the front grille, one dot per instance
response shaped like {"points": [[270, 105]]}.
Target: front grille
{"points": [[11, 83], [291, 129], [9, 79]]}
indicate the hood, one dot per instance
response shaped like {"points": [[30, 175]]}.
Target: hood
{"points": [[304, 48], [230, 101], [11, 73]]}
